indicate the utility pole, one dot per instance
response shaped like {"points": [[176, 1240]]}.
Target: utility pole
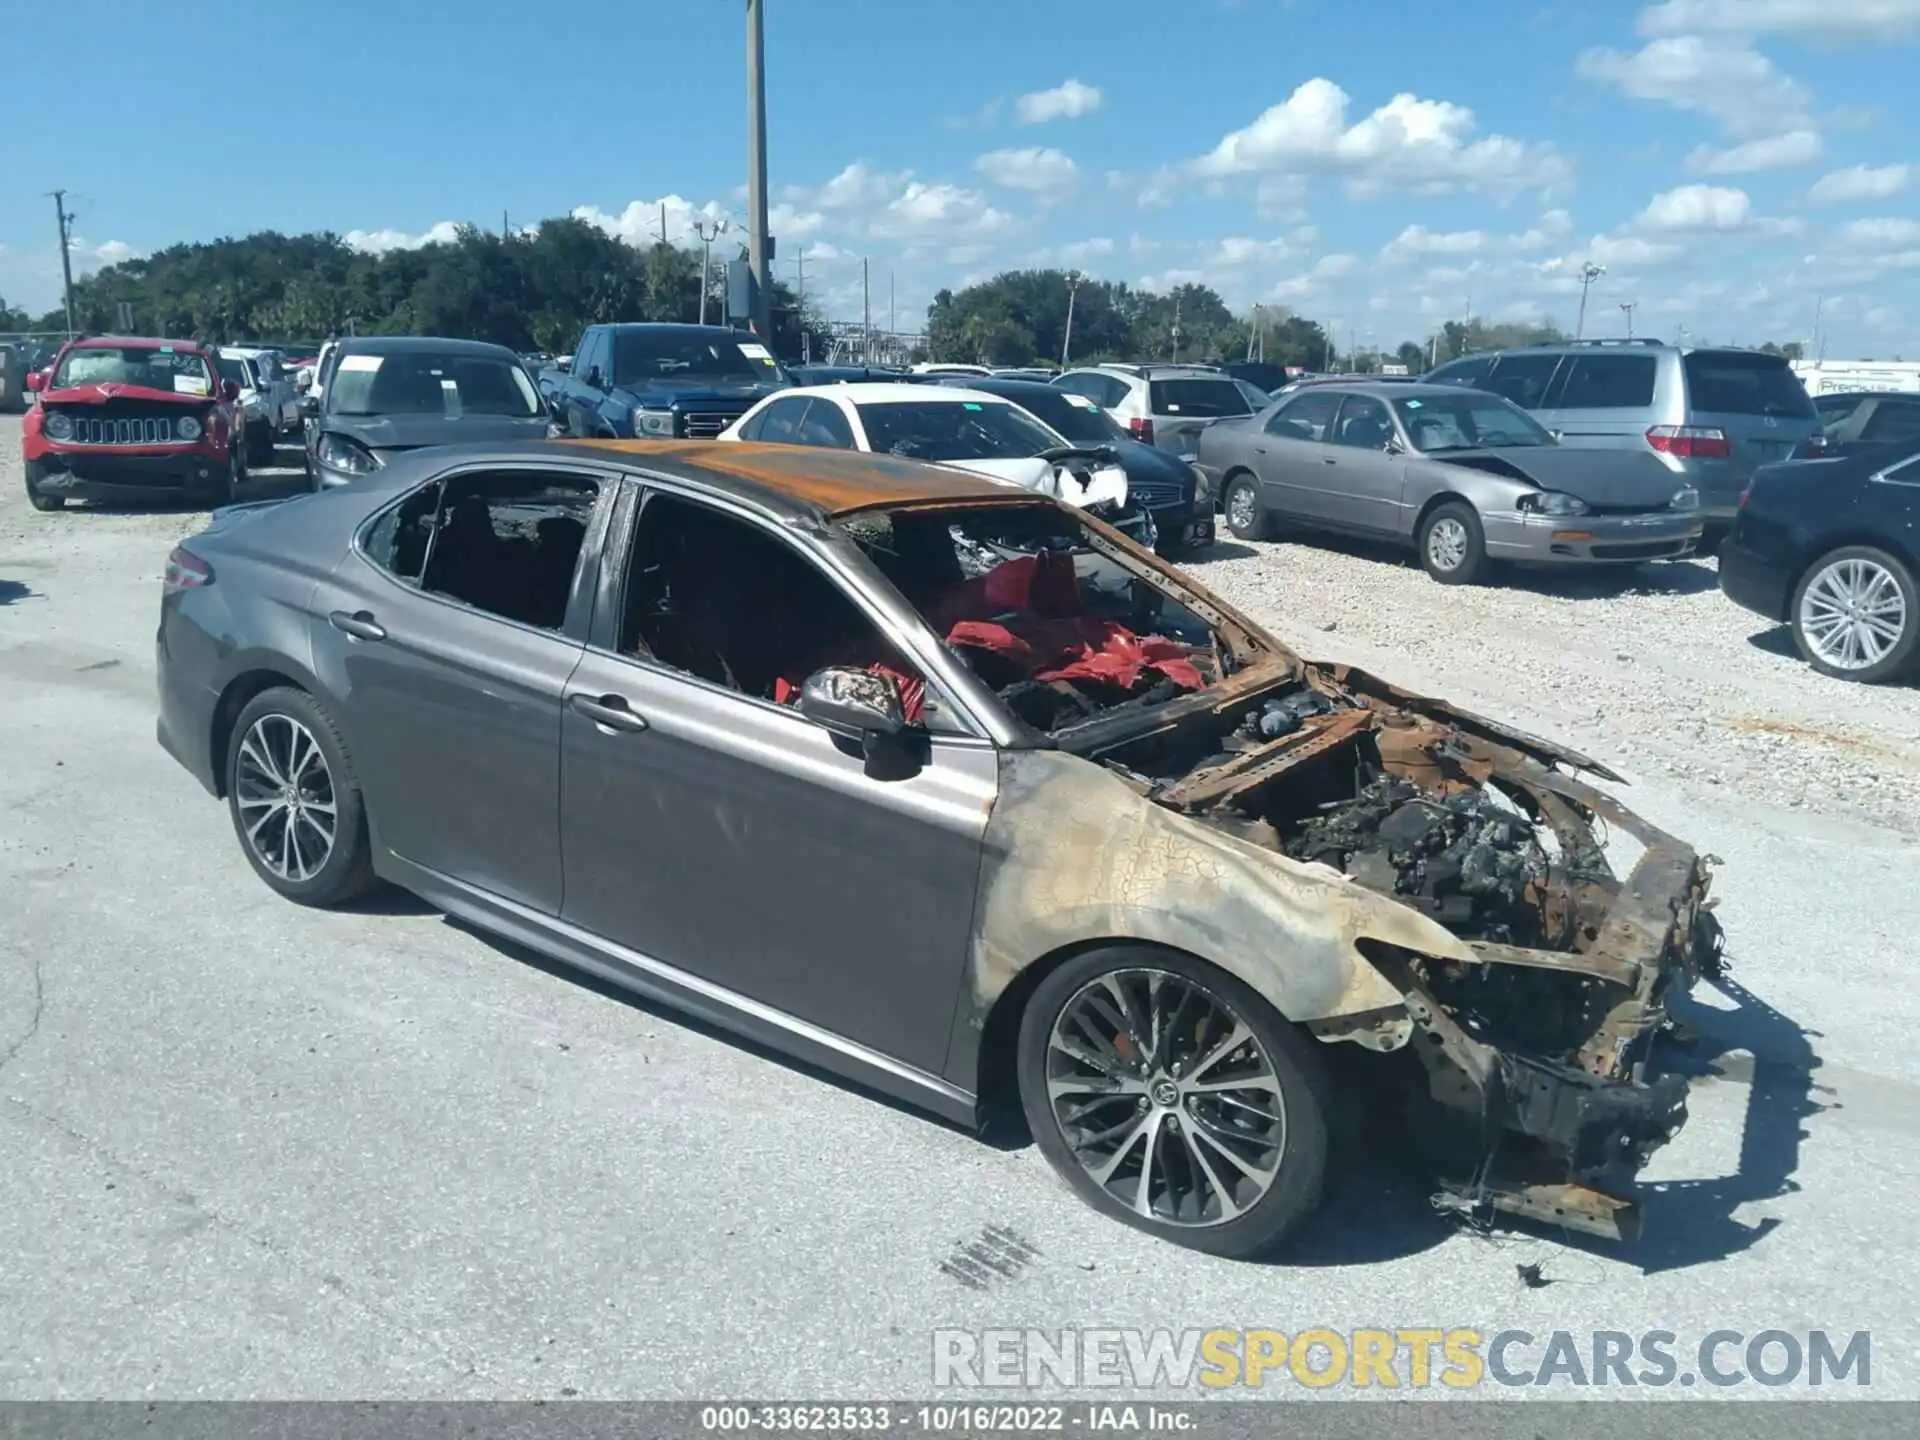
{"points": [[889, 307], [503, 226], [663, 222], [1074, 277], [1819, 346], [866, 310], [66, 251], [1627, 307], [757, 169], [1589, 273], [707, 237], [1176, 329]]}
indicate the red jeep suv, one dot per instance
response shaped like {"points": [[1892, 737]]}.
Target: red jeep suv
{"points": [[121, 419]]}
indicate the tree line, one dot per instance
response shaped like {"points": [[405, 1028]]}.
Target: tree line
{"points": [[537, 290], [532, 291]]}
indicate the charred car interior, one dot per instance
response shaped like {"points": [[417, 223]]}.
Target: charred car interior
{"points": [[1539, 1091]]}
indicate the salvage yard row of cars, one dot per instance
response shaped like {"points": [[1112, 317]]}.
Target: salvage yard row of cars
{"points": [[1147, 869]]}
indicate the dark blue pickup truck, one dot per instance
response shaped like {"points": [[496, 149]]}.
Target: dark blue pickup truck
{"points": [[661, 381]]}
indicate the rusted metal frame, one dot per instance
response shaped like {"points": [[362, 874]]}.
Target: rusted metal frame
{"points": [[1262, 766], [1131, 725], [1590, 965], [1642, 923]]}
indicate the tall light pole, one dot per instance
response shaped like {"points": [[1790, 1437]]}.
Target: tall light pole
{"points": [[1626, 307], [66, 251], [708, 231], [1074, 277], [757, 171], [1589, 273]]}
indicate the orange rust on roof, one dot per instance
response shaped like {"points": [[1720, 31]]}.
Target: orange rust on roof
{"points": [[837, 481]]}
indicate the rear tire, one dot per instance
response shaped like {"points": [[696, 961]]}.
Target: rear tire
{"points": [[1247, 516], [1856, 580], [294, 798], [260, 444], [1453, 547], [1100, 1140]]}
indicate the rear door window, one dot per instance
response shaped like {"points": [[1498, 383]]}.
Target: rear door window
{"points": [[1305, 417], [1523, 379], [1729, 382], [1893, 420], [1201, 399], [825, 425], [1470, 373], [1608, 382], [780, 422]]}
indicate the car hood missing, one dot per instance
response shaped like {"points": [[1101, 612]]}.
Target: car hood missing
{"points": [[1605, 479]]}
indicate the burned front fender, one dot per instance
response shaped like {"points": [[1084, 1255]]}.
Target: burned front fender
{"points": [[1076, 856]]}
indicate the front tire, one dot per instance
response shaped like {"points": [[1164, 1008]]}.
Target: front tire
{"points": [[295, 800], [1856, 615], [1453, 547], [1170, 1096], [1246, 514], [43, 503]]}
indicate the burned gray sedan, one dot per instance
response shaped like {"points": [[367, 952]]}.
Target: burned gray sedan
{"points": [[953, 791], [1467, 478]]}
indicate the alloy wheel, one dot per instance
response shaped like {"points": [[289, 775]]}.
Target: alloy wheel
{"points": [[284, 792], [1242, 510], [1166, 1098], [1447, 544], [1853, 613]]}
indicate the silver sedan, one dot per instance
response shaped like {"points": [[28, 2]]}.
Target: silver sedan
{"points": [[1467, 478]]}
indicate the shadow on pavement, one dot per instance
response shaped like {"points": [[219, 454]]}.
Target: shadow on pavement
{"points": [[12, 590], [1570, 582], [1775, 640]]}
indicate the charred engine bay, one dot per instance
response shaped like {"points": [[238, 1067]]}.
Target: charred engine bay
{"points": [[1394, 801]]}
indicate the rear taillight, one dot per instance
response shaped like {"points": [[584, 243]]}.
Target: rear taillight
{"points": [[1689, 442], [186, 571], [1141, 428]]}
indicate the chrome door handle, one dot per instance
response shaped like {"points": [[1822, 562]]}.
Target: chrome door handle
{"points": [[360, 625], [609, 712]]}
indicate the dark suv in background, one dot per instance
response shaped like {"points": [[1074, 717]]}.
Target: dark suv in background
{"points": [[1713, 415]]}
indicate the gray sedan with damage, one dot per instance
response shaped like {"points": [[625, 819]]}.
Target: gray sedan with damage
{"points": [[956, 792], [1467, 478]]}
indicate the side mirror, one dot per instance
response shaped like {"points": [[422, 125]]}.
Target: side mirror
{"points": [[852, 702], [1393, 446], [36, 380], [229, 390], [593, 377], [1556, 436]]}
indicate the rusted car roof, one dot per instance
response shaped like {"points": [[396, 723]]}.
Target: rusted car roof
{"points": [[829, 482]]}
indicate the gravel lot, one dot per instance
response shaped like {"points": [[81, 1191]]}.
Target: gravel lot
{"points": [[254, 1151]]}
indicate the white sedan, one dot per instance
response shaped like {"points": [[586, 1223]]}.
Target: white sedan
{"points": [[967, 429]]}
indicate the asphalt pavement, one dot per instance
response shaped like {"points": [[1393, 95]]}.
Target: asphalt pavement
{"points": [[253, 1151]]}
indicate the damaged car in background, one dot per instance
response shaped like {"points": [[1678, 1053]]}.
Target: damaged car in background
{"points": [[953, 790]]}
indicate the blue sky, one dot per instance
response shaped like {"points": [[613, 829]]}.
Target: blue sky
{"points": [[1376, 165]]}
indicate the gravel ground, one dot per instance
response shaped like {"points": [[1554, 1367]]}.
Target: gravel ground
{"points": [[1649, 669], [253, 1151]]}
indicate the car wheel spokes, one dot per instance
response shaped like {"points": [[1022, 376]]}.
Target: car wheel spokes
{"points": [[1447, 544], [283, 790], [1166, 1097], [1853, 613], [1241, 507]]}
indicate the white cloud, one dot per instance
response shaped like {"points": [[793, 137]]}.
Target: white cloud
{"points": [[378, 242], [946, 212], [792, 222], [1037, 168], [1860, 182], [1426, 144], [1827, 18], [857, 186], [1882, 234], [1736, 86], [1696, 208], [1068, 100], [1417, 240], [1314, 281], [1776, 152]]}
